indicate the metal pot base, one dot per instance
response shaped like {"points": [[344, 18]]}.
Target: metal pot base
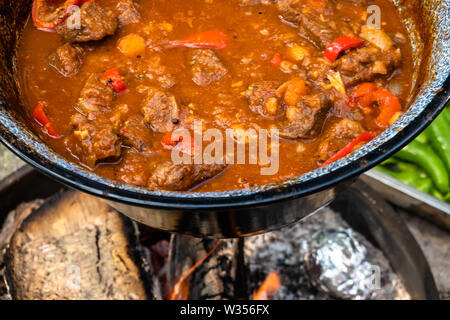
{"points": [[229, 223]]}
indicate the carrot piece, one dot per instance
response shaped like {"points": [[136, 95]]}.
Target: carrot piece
{"points": [[115, 80], [350, 147], [131, 45], [295, 89]]}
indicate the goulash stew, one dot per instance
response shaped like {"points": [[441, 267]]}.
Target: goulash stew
{"points": [[108, 83]]}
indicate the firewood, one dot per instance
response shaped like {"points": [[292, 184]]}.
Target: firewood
{"points": [[76, 247], [10, 225], [214, 278]]}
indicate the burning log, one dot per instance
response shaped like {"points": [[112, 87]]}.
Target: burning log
{"points": [[75, 247], [11, 223], [269, 287], [181, 288], [203, 269], [155, 246]]}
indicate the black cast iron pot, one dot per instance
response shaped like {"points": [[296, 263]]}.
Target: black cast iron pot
{"points": [[247, 211]]}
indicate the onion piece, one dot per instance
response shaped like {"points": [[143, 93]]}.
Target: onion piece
{"points": [[336, 81], [377, 37]]}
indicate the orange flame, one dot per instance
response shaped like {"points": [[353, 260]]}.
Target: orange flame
{"points": [[269, 287], [181, 288]]}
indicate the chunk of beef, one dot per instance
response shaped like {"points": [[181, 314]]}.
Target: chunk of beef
{"points": [[92, 142], [127, 12], [316, 69], [133, 170], [367, 63], [180, 177], [161, 110], [135, 133], [338, 136], [95, 95], [317, 32], [116, 117], [206, 67], [355, 66], [312, 26], [255, 2], [378, 58], [67, 59], [306, 118], [262, 98], [95, 24]]}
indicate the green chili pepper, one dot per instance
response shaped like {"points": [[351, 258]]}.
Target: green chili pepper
{"points": [[423, 155], [447, 198], [390, 161], [440, 196], [446, 113], [423, 137], [409, 174], [438, 133], [437, 194]]}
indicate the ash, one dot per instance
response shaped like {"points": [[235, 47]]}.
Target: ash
{"points": [[283, 251]]}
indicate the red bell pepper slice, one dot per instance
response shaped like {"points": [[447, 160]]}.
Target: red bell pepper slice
{"points": [[188, 148], [360, 94], [350, 147], [47, 21], [180, 144], [213, 39], [364, 89], [168, 141], [276, 60], [388, 103], [115, 80], [41, 118], [340, 44], [389, 106]]}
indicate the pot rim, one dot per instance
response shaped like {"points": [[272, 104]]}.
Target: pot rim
{"points": [[40, 156], [431, 96]]}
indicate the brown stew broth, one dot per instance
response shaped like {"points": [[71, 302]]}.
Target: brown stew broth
{"points": [[256, 33]]}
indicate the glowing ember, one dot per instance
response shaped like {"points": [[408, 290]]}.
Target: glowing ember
{"points": [[181, 288], [269, 287]]}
